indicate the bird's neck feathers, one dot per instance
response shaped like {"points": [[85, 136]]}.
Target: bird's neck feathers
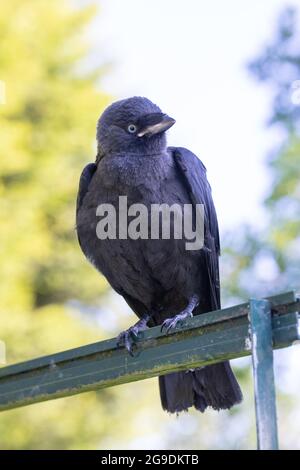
{"points": [[148, 147]]}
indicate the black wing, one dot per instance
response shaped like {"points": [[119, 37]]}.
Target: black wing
{"points": [[193, 173], [84, 182]]}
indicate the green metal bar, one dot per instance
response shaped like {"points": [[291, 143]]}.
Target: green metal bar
{"points": [[263, 372], [204, 339]]}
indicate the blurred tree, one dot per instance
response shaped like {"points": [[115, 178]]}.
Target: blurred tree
{"points": [[264, 261], [47, 128], [261, 261]]}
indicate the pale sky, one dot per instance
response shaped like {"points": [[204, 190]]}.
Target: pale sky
{"points": [[190, 58]]}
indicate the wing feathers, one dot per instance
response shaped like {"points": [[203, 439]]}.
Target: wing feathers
{"points": [[194, 174]]}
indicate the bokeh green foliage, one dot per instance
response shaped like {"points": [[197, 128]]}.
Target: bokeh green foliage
{"points": [[47, 128], [267, 259]]}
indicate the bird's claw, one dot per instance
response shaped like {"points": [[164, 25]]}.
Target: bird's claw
{"points": [[128, 339], [171, 323]]}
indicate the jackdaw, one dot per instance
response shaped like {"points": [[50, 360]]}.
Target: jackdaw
{"points": [[160, 279]]}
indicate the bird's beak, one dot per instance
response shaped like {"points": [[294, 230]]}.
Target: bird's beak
{"points": [[154, 123]]}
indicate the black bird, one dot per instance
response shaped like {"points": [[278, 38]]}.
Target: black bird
{"points": [[160, 279]]}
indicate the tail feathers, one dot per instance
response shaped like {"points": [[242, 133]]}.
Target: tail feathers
{"points": [[218, 386], [212, 386], [176, 391]]}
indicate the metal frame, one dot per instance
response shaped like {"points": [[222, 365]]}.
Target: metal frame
{"points": [[263, 374], [256, 327]]}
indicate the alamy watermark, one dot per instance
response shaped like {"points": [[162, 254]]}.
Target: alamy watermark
{"points": [[157, 221]]}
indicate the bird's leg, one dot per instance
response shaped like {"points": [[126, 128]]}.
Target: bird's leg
{"points": [[128, 337], [170, 323]]}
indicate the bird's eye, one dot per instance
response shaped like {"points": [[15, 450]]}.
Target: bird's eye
{"points": [[131, 128]]}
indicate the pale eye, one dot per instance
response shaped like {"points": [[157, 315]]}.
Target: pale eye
{"points": [[131, 128]]}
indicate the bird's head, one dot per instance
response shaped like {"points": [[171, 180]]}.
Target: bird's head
{"points": [[133, 125]]}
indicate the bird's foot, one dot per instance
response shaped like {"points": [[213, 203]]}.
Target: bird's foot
{"points": [[129, 337], [171, 323]]}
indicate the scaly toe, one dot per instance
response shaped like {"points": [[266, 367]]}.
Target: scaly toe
{"points": [[127, 339], [171, 323], [165, 325], [134, 331]]}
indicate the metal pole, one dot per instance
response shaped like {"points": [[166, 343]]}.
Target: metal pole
{"points": [[263, 373]]}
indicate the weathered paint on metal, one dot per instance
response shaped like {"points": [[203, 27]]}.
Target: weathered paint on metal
{"points": [[205, 339], [263, 373]]}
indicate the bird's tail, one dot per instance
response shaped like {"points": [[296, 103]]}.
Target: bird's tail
{"points": [[214, 386]]}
